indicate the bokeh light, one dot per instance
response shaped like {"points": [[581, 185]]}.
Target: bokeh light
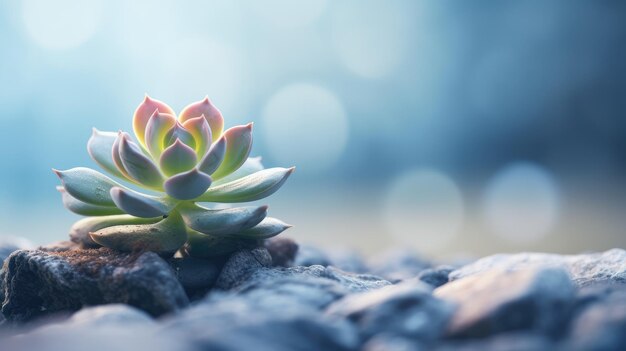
{"points": [[305, 124], [424, 209], [371, 37], [521, 203]]}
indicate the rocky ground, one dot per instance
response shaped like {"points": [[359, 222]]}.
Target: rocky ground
{"points": [[282, 297]]}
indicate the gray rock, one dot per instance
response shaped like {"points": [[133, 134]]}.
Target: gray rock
{"points": [[102, 328], [241, 265], [196, 275], [312, 256], [8, 244], [435, 277], [243, 322], [407, 309], [398, 265], [496, 301], [584, 269], [38, 282], [601, 325], [283, 251], [518, 341], [384, 342]]}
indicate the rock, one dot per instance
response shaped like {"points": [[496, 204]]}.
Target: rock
{"points": [[241, 322], [250, 273], [102, 328], [38, 282], [435, 277], [346, 260], [601, 324], [311, 256], [115, 315], [407, 309], [584, 269], [8, 244], [495, 301], [59, 246], [398, 265], [241, 265], [384, 342], [196, 275], [282, 250], [518, 341]]}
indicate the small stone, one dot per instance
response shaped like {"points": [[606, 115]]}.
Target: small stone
{"points": [[497, 301], [196, 275], [282, 250], [398, 265], [584, 269], [311, 256], [241, 265], [514, 341], [384, 342], [242, 322], [601, 324], [38, 282], [407, 309], [435, 277]]}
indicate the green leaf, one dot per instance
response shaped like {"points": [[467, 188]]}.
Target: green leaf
{"points": [[163, 237], [213, 159], [81, 229], [138, 165], [158, 125], [252, 165], [178, 158], [250, 188], [88, 185], [85, 209], [100, 147], [238, 145], [268, 228], [141, 205], [207, 246], [187, 185], [223, 222]]}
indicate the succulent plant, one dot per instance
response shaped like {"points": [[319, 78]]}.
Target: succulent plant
{"points": [[181, 162]]}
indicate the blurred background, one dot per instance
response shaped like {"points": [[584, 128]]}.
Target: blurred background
{"points": [[451, 128]]}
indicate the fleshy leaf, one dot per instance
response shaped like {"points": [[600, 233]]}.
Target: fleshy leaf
{"points": [[88, 185], [85, 209], [117, 160], [206, 246], [238, 145], [223, 222], [143, 113], [201, 132], [213, 159], [138, 165], [140, 205], [252, 165], [177, 158], [163, 237], [268, 228], [211, 114], [99, 148], [179, 132], [156, 129], [81, 229], [250, 188], [187, 185]]}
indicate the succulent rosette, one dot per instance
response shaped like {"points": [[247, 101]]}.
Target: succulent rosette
{"points": [[181, 161]]}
